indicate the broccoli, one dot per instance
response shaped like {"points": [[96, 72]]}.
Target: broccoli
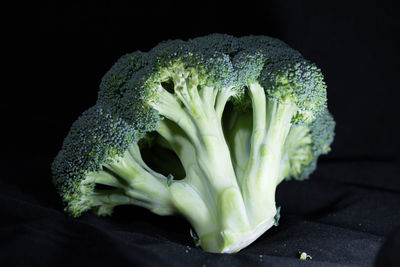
{"points": [[205, 128]]}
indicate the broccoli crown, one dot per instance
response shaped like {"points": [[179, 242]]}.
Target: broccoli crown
{"points": [[212, 67], [218, 61], [298, 81], [160, 135], [117, 83], [305, 143], [96, 138], [222, 43], [115, 80], [322, 131]]}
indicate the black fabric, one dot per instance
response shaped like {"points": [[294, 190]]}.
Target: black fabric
{"points": [[346, 214], [333, 217]]}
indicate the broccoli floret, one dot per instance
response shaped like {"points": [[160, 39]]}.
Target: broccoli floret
{"points": [[205, 128], [303, 146], [100, 167]]}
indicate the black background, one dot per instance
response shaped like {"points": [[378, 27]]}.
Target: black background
{"points": [[342, 215]]}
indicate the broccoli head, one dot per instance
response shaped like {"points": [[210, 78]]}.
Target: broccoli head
{"points": [[205, 128]]}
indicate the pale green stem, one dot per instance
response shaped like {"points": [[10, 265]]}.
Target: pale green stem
{"points": [[132, 177], [208, 96], [170, 107], [218, 197], [222, 98], [239, 136], [271, 123]]}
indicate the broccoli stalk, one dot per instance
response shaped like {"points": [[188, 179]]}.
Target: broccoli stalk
{"points": [[175, 97], [271, 123], [210, 185]]}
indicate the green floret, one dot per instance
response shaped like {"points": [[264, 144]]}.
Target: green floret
{"points": [[99, 167], [223, 43], [115, 81], [297, 81], [205, 128], [303, 146], [214, 67]]}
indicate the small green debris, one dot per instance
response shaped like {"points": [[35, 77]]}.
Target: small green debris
{"points": [[304, 256]]}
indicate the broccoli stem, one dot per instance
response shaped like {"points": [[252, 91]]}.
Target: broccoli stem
{"points": [[271, 124], [170, 107], [194, 131], [222, 98], [238, 136], [115, 197], [228, 213], [132, 182]]}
